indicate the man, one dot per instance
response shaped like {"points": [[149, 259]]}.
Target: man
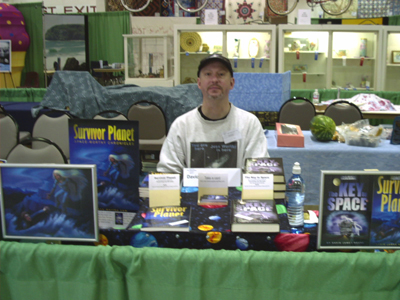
{"points": [[216, 134]]}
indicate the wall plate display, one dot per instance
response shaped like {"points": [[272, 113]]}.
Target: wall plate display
{"points": [[190, 41], [300, 68], [253, 47]]}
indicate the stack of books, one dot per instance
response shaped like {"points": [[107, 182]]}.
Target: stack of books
{"points": [[269, 165]]}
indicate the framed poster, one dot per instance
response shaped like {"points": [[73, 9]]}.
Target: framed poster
{"points": [[5, 56], [66, 42], [359, 210], [49, 202]]}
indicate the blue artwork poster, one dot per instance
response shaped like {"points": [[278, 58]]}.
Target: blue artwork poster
{"points": [[113, 146], [49, 203]]}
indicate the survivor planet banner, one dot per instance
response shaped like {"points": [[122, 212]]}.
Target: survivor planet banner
{"points": [[359, 210]]}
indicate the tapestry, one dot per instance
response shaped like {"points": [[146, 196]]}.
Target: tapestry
{"points": [[214, 4]]}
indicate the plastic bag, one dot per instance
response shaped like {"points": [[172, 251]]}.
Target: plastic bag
{"points": [[360, 133]]}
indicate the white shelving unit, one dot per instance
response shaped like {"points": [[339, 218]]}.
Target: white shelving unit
{"points": [[390, 71], [149, 59], [223, 37], [336, 59]]}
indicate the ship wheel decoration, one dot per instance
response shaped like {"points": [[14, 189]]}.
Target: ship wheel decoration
{"points": [[245, 10]]}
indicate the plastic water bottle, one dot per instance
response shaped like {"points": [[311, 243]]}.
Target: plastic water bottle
{"points": [[295, 191], [315, 97]]}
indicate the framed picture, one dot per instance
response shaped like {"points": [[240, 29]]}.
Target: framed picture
{"points": [[359, 210], [49, 202], [396, 57], [5, 56]]}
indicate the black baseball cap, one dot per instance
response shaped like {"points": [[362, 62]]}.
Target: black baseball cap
{"points": [[215, 57]]}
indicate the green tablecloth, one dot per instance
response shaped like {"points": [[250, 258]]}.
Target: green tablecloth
{"points": [[41, 271], [22, 95]]}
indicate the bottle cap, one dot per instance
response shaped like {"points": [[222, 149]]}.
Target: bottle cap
{"points": [[296, 168]]}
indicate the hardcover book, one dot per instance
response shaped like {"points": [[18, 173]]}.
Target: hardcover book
{"points": [[113, 146], [266, 165], [359, 210], [166, 218], [254, 216]]}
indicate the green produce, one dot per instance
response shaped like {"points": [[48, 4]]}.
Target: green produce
{"points": [[323, 128]]}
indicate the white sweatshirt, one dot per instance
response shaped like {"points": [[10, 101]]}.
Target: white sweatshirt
{"points": [[194, 142]]}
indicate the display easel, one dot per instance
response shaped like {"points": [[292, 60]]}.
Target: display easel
{"points": [[5, 80]]}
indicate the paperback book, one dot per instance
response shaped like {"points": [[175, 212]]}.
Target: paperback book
{"points": [[360, 210], [165, 218], [266, 165], [254, 216], [113, 146]]}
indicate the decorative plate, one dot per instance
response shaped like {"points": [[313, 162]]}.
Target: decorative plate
{"points": [[190, 41]]}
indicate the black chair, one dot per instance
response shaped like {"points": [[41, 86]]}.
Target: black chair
{"points": [[297, 111], [53, 125], [49, 152], [110, 115], [152, 124], [9, 134], [343, 112]]}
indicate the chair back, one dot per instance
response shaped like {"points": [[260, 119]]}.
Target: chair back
{"points": [[9, 134], [53, 128], [49, 152], [110, 115], [152, 124], [343, 112], [297, 111]]}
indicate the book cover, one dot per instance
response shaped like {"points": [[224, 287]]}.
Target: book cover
{"points": [[385, 219], [267, 165], [113, 146], [210, 218], [254, 216], [166, 218], [346, 210]]}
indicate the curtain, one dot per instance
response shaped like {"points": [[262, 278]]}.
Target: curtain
{"points": [[105, 35], [32, 13], [394, 20]]}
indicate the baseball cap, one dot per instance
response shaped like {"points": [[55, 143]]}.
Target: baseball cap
{"points": [[215, 57]]}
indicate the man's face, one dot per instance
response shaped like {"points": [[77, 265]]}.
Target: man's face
{"points": [[215, 81]]}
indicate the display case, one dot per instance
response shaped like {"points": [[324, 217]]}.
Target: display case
{"points": [[250, 48], [391, 58], [149, 60], [330, 56]]}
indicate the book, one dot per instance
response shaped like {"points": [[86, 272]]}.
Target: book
{"points": [[360, 210], [266, 165], [213, 200], [113, 146], [254, 216], [165, 218]]}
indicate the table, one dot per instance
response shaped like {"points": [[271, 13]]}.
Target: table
{"points": [[373, 114], [317, 156]]}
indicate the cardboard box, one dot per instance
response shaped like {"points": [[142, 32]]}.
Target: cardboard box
{"points": [[260, 91], [289, 135]]}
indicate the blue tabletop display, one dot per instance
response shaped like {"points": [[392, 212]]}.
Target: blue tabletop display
{"points": [[143, 239]]}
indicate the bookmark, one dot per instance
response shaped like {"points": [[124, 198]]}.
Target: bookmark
{"points": [[297, 54], [316, 55], [235, 60], [304, 76], [252, 62], [344, 61], [362, 61]]}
